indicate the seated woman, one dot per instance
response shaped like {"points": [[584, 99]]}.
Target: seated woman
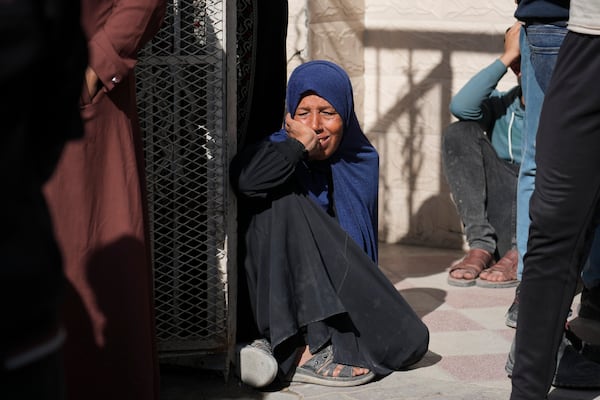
{"points": [[319, 299]]}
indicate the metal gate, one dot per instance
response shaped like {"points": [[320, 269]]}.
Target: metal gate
{"points": [[186, 101]]}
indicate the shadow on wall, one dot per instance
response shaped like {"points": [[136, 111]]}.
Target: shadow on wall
{"points": [[433, 221]]}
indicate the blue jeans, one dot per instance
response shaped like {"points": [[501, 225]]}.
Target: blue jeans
{"points": [[539, 48]]}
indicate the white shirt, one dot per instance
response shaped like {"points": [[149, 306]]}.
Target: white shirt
{"points": [[584, 17]]}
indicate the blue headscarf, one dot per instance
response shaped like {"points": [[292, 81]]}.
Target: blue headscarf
{"points": [[354, 165]]}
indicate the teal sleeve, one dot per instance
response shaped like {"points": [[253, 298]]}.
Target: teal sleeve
{"points": [[468, 103]]}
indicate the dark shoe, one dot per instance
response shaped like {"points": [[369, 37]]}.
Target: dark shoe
{"points": [[475, 261], [591, 352], [589, 307], [586, 333], [575, 371], [507, 266], [513, 311], [588, 330]]}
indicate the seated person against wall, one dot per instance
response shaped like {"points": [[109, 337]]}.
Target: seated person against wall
{"points": [[481, 154], [326, 313]]}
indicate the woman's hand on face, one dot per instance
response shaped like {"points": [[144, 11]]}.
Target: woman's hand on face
{"points": [[302, 133]]}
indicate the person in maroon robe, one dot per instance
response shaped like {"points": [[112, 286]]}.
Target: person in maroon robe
{"points": [[98, 207]]}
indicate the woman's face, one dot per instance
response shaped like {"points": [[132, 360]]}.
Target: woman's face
{"points": [[316, 113]]}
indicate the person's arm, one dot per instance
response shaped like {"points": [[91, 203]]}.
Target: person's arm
{"points": [[113, 49], [265, 167], [468, 103]]}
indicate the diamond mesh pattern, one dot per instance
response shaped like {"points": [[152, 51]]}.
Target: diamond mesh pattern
{"points": [[246, 47], [182, 105]]}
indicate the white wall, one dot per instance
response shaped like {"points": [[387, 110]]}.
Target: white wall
{"points": [[406, 59]]}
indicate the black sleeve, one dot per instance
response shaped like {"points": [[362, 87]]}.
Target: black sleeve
{"points": [[265, 167]]}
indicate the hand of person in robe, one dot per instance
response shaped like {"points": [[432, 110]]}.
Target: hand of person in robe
{"points": [[302, 133]]}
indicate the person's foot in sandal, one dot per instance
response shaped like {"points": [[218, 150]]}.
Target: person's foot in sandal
{"points": [[320, 369], [503, 274], [465, 271]]}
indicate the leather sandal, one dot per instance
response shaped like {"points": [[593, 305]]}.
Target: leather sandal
{"points": [[319, 370], [507, 266], [475, 261]]}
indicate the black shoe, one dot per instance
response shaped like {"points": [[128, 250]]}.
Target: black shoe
{"points": [[589, 307], [586, 329], [591, 352], [513, 311], [575, 371]]}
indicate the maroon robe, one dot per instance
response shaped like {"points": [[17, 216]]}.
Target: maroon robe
{"points": [[97, 202]]}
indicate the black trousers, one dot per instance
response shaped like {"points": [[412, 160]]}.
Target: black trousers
{"points": [[563, 212]]}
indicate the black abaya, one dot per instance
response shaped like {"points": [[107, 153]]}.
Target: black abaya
{"points": [[310, 283]]}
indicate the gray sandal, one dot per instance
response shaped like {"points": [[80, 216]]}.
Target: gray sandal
{"points": [[319, 370]]}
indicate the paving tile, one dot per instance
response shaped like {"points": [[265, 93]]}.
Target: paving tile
{"points": [[474, 297], [476, 368], [450, 320], [491, 318], [468, 343]]}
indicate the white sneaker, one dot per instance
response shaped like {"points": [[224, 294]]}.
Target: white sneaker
{"points": [[256, 365]]}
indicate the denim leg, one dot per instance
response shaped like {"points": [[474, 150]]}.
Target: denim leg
{"points": [[531, 96], [462, 159], [539, 49]]}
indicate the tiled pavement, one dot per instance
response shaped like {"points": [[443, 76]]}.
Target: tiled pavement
{"points": [[468, 347]]}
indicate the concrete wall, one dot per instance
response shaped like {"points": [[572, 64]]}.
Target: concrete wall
{"points": [[406, 59]]}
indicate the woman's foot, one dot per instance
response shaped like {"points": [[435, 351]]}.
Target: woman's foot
{"points": [[322, 370], [465, 271], [503, 274]]}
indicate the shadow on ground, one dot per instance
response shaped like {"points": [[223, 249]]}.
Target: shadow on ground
{"points": [[188, 383]]}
